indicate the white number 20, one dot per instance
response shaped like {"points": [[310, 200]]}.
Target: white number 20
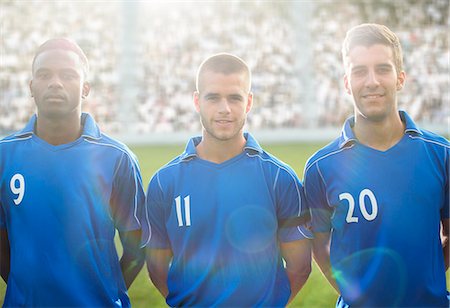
{"points": [[362, 205], [18, 190]]}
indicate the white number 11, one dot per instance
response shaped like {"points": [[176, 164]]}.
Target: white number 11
{"points": [[187, 210]]}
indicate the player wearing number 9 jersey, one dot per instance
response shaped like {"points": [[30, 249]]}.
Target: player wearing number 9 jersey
{"points": [[65, 188], [379, 193]]}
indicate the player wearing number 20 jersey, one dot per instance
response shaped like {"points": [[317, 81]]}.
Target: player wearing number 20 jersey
{"points": [[61, 206], [383, 209]]}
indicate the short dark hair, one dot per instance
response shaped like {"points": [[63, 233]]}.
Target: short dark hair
{"points": [[63, 43], [371, 34], [223, 63]]}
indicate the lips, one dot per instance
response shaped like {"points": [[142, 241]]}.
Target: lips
{"points": [[373, 96], [55, 96], [223, 121]]}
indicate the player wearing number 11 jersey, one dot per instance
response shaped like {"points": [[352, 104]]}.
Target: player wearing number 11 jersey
{"points": [[379, 193], [220, 212]]}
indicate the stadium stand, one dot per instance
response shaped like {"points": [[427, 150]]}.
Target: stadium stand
{"points": [[173, 38]]}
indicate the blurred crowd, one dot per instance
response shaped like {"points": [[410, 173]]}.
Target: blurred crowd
{"points": [[143, 59]]}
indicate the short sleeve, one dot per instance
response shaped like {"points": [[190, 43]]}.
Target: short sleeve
{"points": [[445, 212], [316, 200], [127, 196], [290, 205], [156, 208], [2, 217]]}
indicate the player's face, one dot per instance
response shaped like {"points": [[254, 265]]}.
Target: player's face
{"points": [[58, 84], [223, 103], [373, 82]]}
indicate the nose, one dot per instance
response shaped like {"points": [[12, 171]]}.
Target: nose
{"points": [[55, 82], [372, 80], [224, 106]]}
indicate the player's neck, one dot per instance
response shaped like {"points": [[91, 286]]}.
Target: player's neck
{"points": [[58, 131], [219, 151], [379, 135]]}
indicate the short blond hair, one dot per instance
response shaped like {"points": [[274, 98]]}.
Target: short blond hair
{"points": [[223, 63]]}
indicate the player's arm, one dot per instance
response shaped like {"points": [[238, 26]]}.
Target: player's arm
{"points": [[133, 257], [158, 261], [321, 253], [445, 241], [297, 255], [4, 254], [129, 213]]}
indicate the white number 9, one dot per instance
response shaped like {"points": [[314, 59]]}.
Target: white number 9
{"points": [[17, 190]]}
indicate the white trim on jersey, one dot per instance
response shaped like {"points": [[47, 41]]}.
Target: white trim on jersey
{"points": [[134, 173], [296, 186]]}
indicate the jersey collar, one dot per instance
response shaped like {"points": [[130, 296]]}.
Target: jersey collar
{"points": [[410, 126], [190, 151], [90, 129], [28, 129], [347, 136], [252, 145]]}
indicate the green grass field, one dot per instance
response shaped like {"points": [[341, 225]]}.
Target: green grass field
{"points": [[316, 292]]}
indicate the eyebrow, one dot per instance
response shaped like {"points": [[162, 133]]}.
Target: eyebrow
{"points": [[236, 96], [208, 95], [384, 65], [381, 65]]}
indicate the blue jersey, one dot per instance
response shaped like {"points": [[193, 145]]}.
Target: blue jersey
{"points": [[61, 206], [221, 222], [383, 209]]}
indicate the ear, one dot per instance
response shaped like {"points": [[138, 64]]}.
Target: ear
{"points": [[196, 100], [249, 102], [347, 87], [401, 78], [30, 85], [86, 89]]}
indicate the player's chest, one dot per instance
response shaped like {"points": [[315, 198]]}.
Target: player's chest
{"points": [[200, 201], [373, 189], [32, 177]]}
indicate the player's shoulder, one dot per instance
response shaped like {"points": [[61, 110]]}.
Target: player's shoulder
{"points": [[14, 139], [108, 143], [431, 139], [271, 159], [327, 152], [274, 164], [173, 166], [94, 136], [166, 175]]}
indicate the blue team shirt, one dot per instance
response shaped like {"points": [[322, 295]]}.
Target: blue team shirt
{"points": [[61, 205], [384, 210], [221, 222]]}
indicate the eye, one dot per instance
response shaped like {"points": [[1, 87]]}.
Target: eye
{"points": [[43, 75], [68, 76], [384, 70], [212, 98], [358, 72], [236, 98]]}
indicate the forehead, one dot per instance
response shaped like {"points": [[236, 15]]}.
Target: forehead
{"points": [[216, 82], [370, 55], [57, 59]]}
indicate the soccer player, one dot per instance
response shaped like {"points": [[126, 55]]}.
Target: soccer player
{"points": [[223, 213], [379, 193], [65, 188]]}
